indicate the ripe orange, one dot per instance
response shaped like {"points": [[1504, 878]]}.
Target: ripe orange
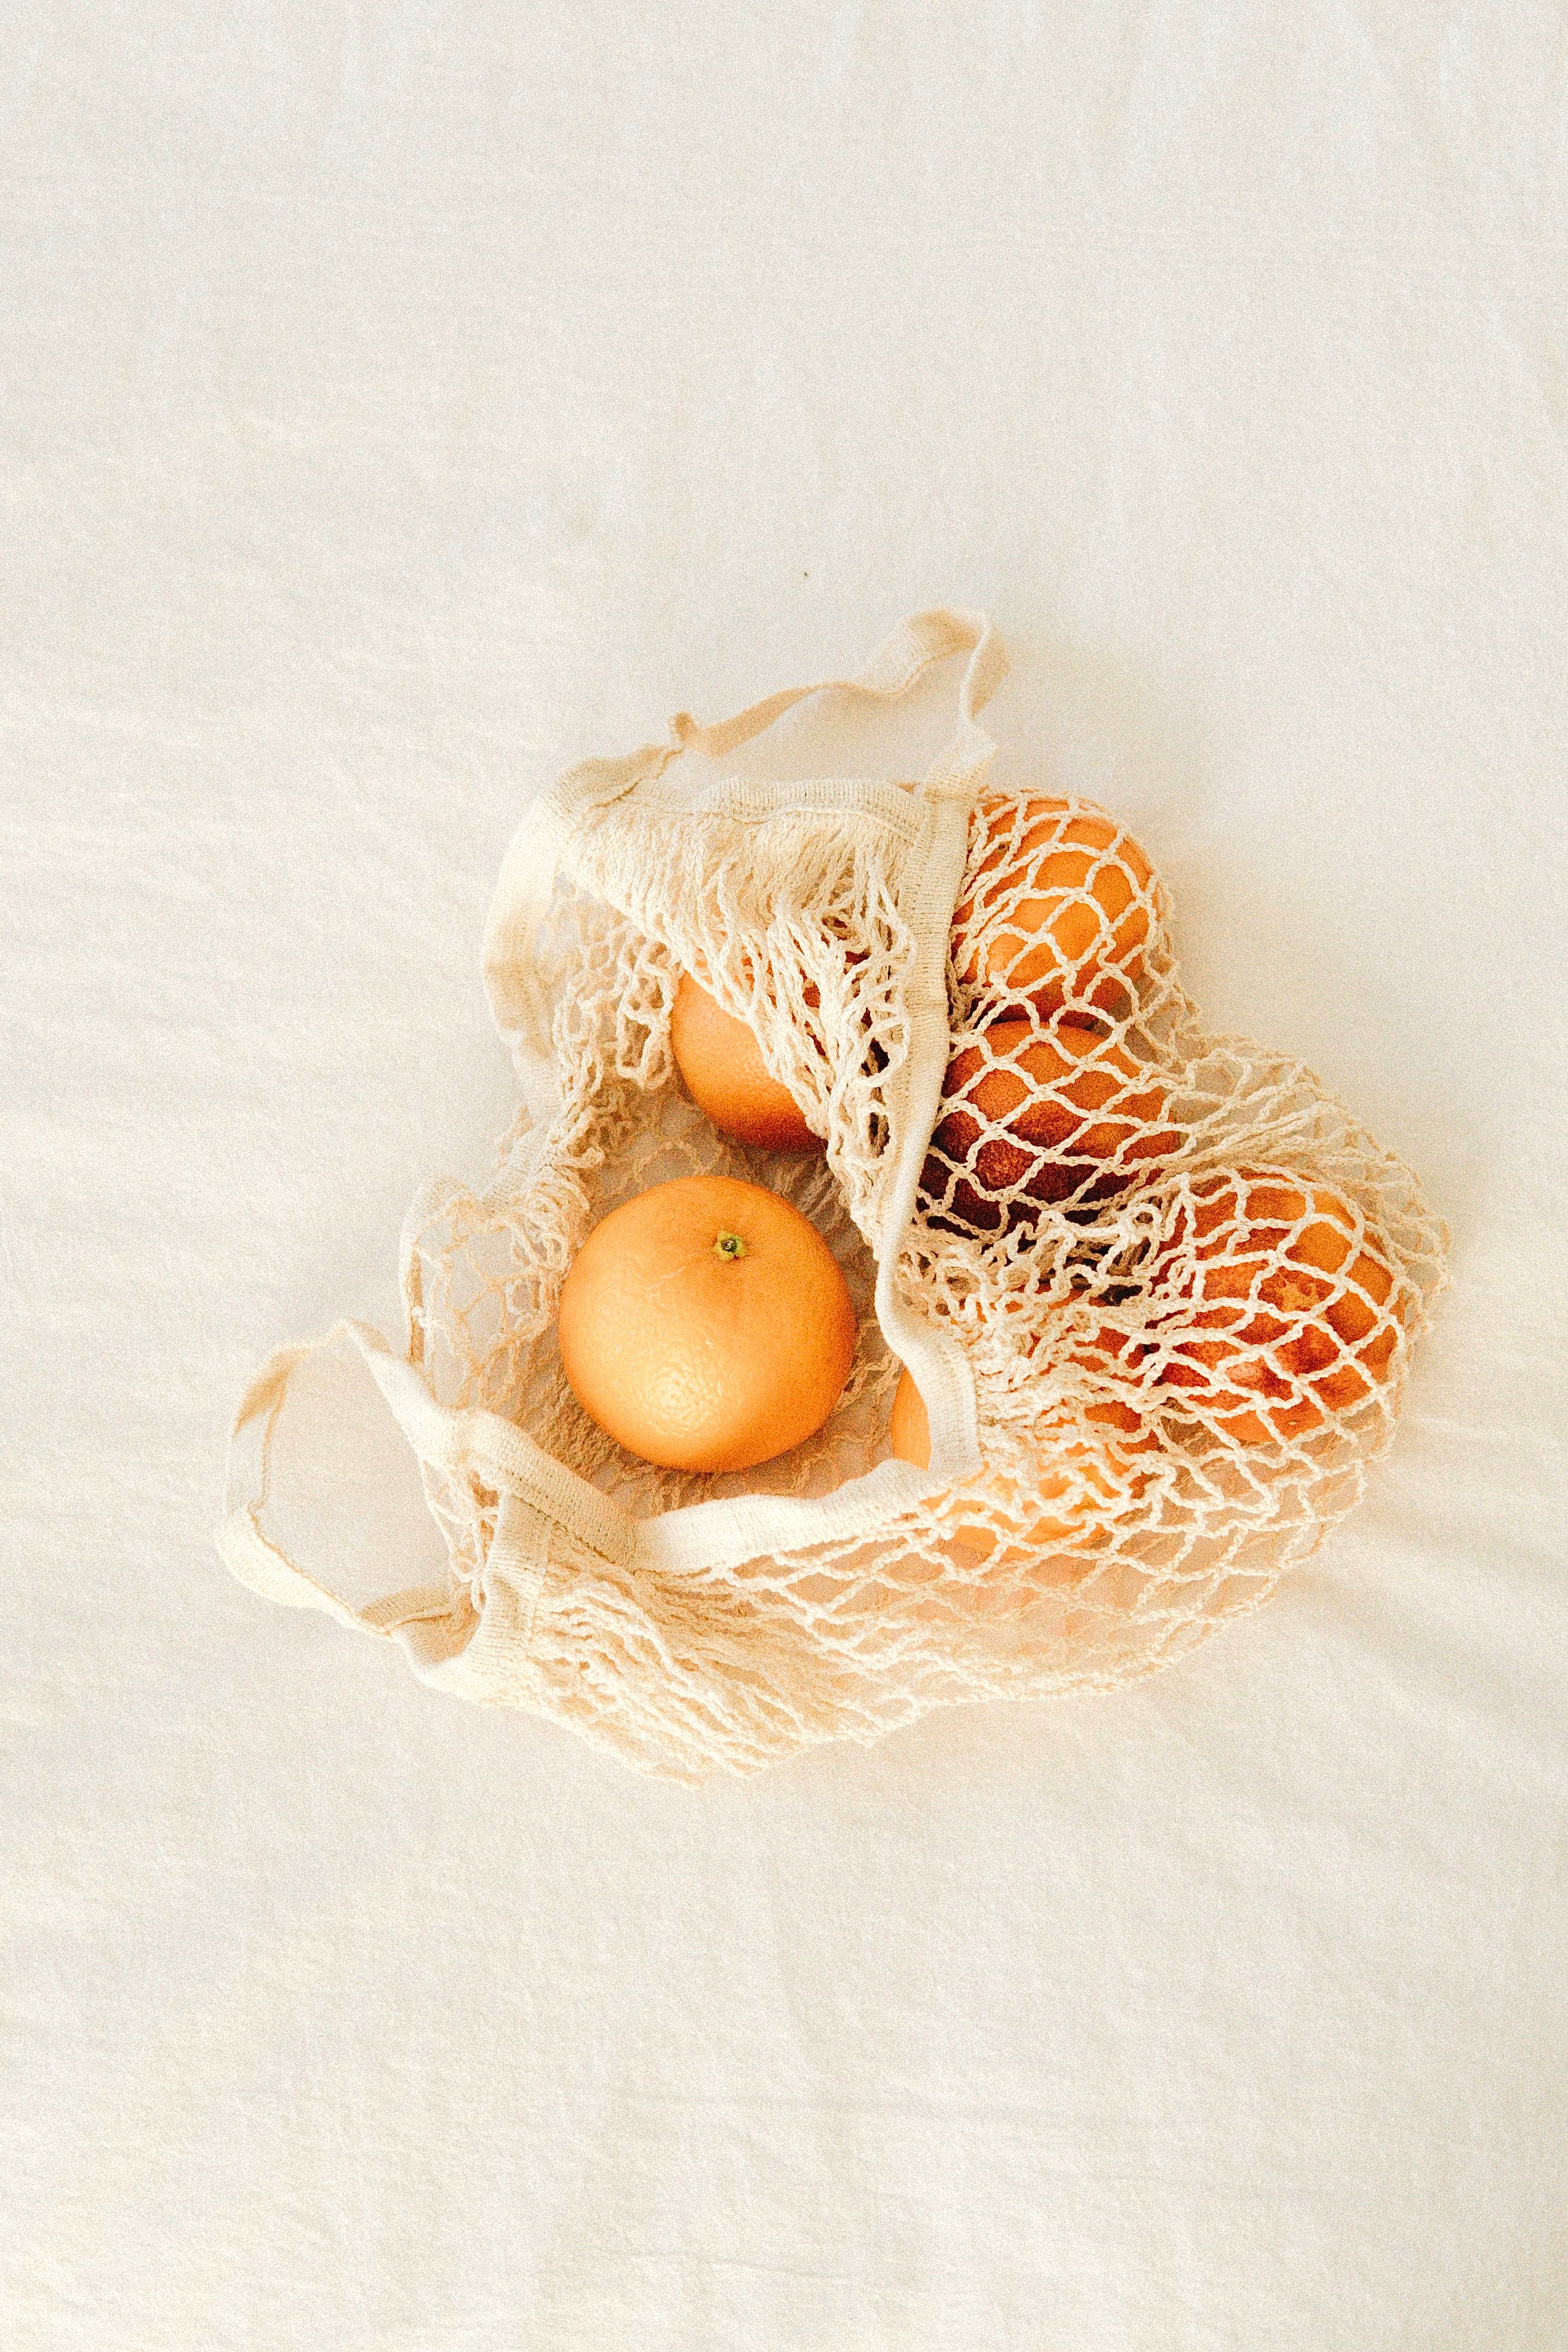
{"points": [[705, 1324], [1061, 1113], [721, 1063], [1059, 908], [1077, 1478], [1288, 1320]]}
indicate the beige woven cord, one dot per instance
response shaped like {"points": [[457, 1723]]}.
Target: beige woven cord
{"points": [[1156, 1290]]}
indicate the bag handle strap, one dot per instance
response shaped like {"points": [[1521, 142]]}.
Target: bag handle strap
{"points": [[526, 882], [456, 1441], [899, 661]]}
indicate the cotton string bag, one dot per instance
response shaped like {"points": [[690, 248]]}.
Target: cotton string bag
{"points": [[1156, 1291]]}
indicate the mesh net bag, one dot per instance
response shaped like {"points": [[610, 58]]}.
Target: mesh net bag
{"points": [[1155, 1291]]}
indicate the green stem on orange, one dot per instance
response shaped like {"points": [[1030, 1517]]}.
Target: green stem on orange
{"points": [[729, 1246]]}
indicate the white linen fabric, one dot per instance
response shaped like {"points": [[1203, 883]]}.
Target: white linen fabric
{"points": [[399, 402]]}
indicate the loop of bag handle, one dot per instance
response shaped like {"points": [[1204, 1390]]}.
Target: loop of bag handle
{"points": [[456, 1442], [898, 663], [518, 996]]}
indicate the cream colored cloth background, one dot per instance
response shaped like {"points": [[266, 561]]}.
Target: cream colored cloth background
{"points": [[400, 401]]}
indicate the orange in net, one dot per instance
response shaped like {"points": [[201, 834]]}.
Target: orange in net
{"points": [[1032, 1116], [721, 1063], [705, 1325], [1081, 1478], [1059, 907], [1286, 1313]]}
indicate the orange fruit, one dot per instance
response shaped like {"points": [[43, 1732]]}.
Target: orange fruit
{"points": [[1063, 1113], [705, 1325], [721, 1063], [1285, 1317], [910, 1428], [1077, 1478], [1058, 908]]}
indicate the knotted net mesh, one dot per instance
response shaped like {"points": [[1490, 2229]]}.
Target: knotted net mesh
{"points": [[1185, 1283]]}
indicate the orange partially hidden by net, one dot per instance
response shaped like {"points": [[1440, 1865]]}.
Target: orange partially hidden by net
{"points": [[1282, 1311], [1058, 907], [721, 1063], [1081, 1478], [1032, 1114], [705, 1325]]}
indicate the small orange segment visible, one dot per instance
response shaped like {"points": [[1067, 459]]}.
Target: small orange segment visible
{"points": [[705, 1325], [721, 1063], [910, 1426], [1076, 1479]]}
